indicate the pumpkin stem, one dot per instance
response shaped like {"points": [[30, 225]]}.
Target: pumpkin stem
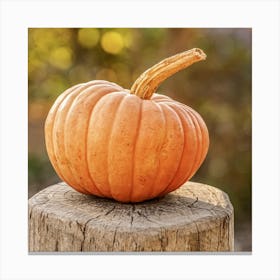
{"points": [[148, 82]]}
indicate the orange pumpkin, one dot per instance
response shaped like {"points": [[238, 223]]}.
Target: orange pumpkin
{"points": [[129, 145]]}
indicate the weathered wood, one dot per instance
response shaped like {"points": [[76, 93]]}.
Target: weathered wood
{"points": [[196, 217]]}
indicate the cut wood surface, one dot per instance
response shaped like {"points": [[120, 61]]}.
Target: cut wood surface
{"points": [[196, 217]]}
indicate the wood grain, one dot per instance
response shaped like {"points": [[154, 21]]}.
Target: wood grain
{"points": [[196, 217]]}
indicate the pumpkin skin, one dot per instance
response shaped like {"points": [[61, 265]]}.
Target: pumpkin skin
{"points": [[105, 141]]}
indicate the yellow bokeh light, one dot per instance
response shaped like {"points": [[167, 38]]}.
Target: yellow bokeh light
{"points": [[61, 58], [43, 39], [112, 42], [88, 37]]}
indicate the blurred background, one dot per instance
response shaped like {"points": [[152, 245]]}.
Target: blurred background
{"points": [[218, 88]]}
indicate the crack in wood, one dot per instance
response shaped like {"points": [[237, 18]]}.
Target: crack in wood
{"points": [[109, 211], [177, 222]]}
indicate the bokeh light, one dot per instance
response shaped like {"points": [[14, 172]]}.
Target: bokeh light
{"points": [[112, 42], [88, 37], [61, 58]]}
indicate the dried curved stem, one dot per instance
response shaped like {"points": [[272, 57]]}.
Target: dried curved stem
{"points": [[148, 82]]}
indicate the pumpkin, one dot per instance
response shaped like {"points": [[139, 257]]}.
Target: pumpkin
{"points": [[129, 145]]}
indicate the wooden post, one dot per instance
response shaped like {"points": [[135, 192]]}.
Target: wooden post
{"points": [[196, 217]]}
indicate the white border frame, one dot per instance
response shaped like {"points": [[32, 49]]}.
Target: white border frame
{"points": [[17, 16]]}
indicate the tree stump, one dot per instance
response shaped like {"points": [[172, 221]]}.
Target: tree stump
{"points": [[196, 217]]}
